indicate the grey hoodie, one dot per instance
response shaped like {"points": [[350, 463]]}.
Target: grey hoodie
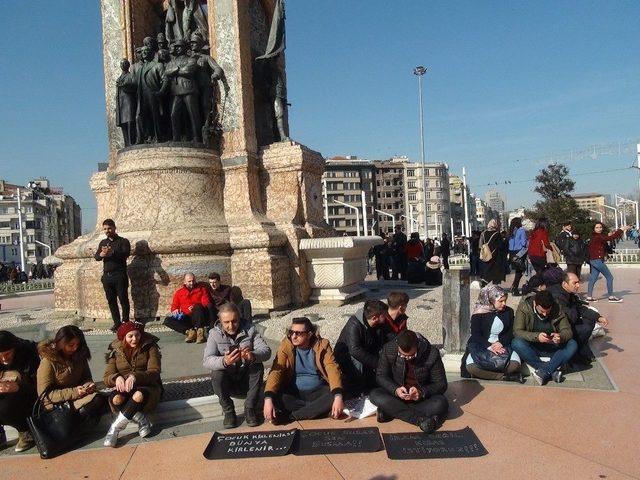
{"points": [[219, 342]]}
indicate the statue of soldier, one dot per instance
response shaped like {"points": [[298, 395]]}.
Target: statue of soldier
{"points": [[149, 77], [181, 73], [126, 103], [208, 73]]}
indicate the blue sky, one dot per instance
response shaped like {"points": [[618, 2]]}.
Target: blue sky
{"points": [[508, 84]]}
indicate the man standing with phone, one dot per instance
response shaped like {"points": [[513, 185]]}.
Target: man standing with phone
{"points": [[113, 252]]}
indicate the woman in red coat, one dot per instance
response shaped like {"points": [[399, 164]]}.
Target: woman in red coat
{"points": [[538, 245], [597, 254]]}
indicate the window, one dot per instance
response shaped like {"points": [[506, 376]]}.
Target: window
{"points": [[411, 184], [426, 184], [439, 195], [439, 207], [428, 194], [410, 173], [412, 197], [429, 207]]}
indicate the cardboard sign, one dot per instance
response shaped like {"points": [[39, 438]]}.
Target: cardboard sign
{"points": [[455, 444], [249, 445], [337, 440]]}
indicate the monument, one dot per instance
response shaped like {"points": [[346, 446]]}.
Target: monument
{"points": [[202, 175]]}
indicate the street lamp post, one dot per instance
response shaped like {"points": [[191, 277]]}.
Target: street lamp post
{"points": [[419, 71], [326, 201], [364, 213], [20, 227], [599, 213], [464, 199], [615, 211], [357, 210]]}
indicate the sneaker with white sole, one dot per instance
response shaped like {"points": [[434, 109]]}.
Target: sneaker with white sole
{"points": [[539, 377], [613, 299], [557, 376]]}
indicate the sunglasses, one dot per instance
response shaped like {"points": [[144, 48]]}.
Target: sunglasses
{"points": [[295, 333]]}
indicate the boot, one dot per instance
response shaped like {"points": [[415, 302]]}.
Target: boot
{"points": [[190, 336], [144, 425], [200, 338], [251, 417], [230, 420], [25, 441], [117, 426]]}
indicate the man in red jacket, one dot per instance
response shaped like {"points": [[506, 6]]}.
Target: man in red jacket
{"points": [[189, 314]]}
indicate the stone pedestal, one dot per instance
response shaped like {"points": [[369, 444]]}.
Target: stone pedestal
{"points": [[456, 312], [336, 266]]}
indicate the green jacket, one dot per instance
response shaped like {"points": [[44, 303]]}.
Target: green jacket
{"points": [[525, 318]]}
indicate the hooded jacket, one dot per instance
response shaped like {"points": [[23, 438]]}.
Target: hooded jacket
{"points": [[428, 369], [526, 316], [283, 369], [219, 343], [61, 375], [144, 365]]}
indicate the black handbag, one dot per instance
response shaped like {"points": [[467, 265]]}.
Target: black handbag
{"points": [[53, 430], [487, 360]]}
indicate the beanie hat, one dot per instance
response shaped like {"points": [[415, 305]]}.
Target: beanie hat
{"points": [[7, 341], [127, 327]]}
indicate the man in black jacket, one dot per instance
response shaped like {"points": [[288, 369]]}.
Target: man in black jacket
{"points": [[412, 382], [113, 252], [358, 348], [582, 318], [19, 362]]}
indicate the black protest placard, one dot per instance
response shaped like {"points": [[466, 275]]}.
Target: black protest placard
{"points": [[455, 444], [337, 440], [249, 445]]}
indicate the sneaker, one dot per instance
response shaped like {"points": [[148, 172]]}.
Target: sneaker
{"points": [[613, 299], [230, 420], [539, 377], [382, 417], [557, 376], [514, 377], [590, 299], [428, 424], [251, 417], [25, 442]]}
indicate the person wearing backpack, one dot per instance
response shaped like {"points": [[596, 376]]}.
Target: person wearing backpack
{"points": [[539, 244], [492, 254]]}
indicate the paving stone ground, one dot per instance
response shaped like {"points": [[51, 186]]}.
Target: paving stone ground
{"points": [[529, 431]]}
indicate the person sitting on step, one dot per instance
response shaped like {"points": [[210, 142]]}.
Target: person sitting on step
{"points": [[411, 383], [234, 354], [489, 355], [304, 381], [133, 368], [396, 317], [18, 365], [189, 310], [358, 348], [542, 329]]}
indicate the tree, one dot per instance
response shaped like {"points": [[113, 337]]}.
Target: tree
{"points": [[557, 206], [553, 182]]}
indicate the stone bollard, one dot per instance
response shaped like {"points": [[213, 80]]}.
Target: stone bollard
{"points": [[456, 313]]}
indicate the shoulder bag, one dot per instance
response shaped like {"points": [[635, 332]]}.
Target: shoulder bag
{"points": [[53, 430]]}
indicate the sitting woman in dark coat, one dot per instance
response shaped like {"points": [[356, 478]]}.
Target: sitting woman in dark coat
{"points": [[433, 273], [489, 355]]}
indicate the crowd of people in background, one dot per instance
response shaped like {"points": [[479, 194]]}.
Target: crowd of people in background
{"points": [[11, 272]]}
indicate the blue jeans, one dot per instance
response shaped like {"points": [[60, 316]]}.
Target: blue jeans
{"points": [[599, 267], [531, 352]]}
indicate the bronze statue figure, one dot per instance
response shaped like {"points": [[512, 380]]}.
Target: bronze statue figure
{"points": [[149, 82], [126, 103]]}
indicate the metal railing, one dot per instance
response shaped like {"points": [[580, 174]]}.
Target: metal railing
{"points": [[626, 256]]}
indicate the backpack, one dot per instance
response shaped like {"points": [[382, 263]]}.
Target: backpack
{"points": [[485, 252]]}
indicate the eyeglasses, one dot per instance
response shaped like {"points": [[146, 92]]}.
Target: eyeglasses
{"points": [[295, 333]]}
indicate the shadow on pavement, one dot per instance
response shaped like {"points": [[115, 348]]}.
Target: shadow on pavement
{"points": [[460, 393]]}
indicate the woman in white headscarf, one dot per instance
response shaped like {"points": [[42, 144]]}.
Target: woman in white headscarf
{"points": [[489, 355], [492, 268]]}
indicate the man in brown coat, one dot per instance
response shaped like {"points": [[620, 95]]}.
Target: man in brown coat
{"points": [[305, 379]]}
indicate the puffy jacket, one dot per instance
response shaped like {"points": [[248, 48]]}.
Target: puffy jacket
{"points": [[597, 244], [283, 369], [219, 343], [357, 351], [184, 298], [525, 318], [429, 369], [60, 375], [144, 365]]}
